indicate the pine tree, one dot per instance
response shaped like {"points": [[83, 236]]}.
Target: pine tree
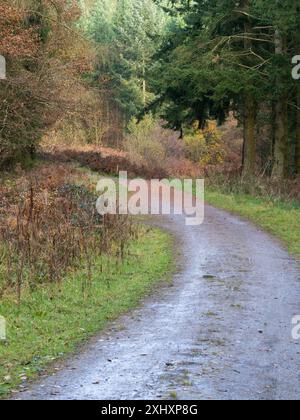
{"points": [[131, 31], [235, 55]]}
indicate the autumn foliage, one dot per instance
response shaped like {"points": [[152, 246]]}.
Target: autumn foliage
{"points": [[46, 57], [16, 38], [49, 225]]}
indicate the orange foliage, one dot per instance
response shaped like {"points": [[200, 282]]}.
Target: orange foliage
{"points": [[45, 87], [15, 39]]}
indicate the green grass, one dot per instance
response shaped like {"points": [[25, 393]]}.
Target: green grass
{"points": [[278, 218], [50, 323]]}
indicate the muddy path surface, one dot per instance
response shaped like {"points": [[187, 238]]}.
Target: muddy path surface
{"points": [[221, 331]]}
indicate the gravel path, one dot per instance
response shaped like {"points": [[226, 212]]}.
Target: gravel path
{"points": [[222, 331]]}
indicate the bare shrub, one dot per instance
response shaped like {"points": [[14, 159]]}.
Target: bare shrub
{"points": [[260, 186], [48, 225], [182, 168], [159, 150], [142, 144]]}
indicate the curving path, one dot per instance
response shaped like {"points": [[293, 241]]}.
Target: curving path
{"points": [[222, 331]]}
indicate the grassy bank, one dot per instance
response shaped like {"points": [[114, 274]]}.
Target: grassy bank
{"points": [[50, 322], [278, 218]]}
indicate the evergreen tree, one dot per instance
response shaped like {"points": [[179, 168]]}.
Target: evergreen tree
{"points": [[235, 55], [127, 33]]}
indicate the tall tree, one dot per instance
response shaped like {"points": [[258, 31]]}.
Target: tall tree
{"points": [[234, 55], [131, 31], [46, 58]]}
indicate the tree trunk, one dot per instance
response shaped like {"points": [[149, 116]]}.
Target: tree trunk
{"points": [[249, 150], [144, 84], [181, 137], [298, 132], [297, 149], [249, 109], [280, 167]]}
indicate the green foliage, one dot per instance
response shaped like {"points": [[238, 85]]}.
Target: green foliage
{"points": [[224, 57], [132, 31]]}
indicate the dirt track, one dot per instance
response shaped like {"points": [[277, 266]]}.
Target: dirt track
{"points": [[222, 331]]}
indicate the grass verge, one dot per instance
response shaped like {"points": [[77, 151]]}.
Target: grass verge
{"points": [[278, 218], [50, 323]]}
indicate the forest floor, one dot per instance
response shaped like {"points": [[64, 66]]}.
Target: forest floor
{"points": [[222, 331]]}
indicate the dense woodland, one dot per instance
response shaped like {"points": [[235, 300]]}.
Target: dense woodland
{"points": [[162, 89], [83, 69], [237, 56]]}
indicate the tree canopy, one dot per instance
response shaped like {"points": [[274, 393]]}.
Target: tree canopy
{"points": [[235, 55], [188, 61], [127, 34]]}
